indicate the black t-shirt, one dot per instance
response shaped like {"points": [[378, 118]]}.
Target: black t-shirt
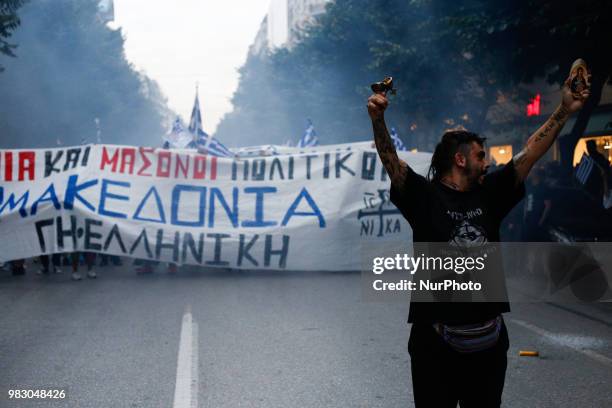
{"points": [[438, 213]]}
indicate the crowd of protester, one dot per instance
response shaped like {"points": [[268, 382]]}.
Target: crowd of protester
{"points": [[546, 190]]}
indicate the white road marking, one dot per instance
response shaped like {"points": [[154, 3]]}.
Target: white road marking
{"points": [[557, 339], [186, 389]]}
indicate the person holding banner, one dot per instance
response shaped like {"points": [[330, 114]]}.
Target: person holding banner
{"points": [[460, 203], [56, 261], [90, 260]]}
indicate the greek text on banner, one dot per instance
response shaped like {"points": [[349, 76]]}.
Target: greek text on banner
{"points": [[308, 209]]}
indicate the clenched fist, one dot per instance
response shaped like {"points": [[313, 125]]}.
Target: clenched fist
{"points": [[377, 103], [572, 101]]}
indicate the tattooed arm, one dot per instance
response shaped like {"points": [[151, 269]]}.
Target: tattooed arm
{"points": [[397, 169], [539, 143]]}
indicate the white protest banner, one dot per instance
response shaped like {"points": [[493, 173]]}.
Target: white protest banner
{"points": [[307, 209]]}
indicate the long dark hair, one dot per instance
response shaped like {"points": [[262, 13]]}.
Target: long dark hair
{"points": [[444, 155]]}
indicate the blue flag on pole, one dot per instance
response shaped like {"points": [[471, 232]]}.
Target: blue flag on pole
{"points": [[195, 123], [309, 139], [397, 142], [202, 141]]}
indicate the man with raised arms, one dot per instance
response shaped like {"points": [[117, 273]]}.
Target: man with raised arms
{"points": [[458, 350]]}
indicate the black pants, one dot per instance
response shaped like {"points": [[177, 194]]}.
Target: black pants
{"points": [[442, 377], [56, 259]]}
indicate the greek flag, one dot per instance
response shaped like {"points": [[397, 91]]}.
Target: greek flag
{"points": [[397, 142], [310, 138], [207, 144], [177, 137], [195, 123], [201, 140], [584, 169], [177, 127]]}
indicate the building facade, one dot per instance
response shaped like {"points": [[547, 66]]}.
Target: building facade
{"points": [[301, 14], [285, 20], [260, 44]]}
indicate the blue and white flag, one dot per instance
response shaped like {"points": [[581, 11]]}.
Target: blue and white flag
{"points": [[310, 138], [195, 123], [177, 137], [397, 142], [207, 144], [201, 140], [584, 169], [177, 126]]}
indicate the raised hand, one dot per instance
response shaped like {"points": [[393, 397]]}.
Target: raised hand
{"points": [[571, 101], [377, 103]]}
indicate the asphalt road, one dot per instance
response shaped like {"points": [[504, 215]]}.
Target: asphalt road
{"points": [[218, 338]]}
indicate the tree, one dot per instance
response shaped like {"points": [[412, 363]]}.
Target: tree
{"points": [[326, 77], [452, 62], [70, 77], [9, 21], [516, 41]]}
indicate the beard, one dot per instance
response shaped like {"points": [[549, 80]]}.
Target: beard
{"points": [[475, 175]]}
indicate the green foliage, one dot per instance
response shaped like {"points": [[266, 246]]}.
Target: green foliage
{"points": [[71, 69], [525, 39]]}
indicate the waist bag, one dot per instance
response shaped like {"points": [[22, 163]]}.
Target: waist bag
{"points": [[470, 338]]}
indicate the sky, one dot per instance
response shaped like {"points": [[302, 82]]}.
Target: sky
{"points": [[184, 42]]}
